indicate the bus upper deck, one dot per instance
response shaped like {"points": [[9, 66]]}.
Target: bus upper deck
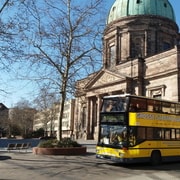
{"points": [[130, 103]]}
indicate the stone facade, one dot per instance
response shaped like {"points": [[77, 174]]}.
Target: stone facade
{"points": [[141, 56]]}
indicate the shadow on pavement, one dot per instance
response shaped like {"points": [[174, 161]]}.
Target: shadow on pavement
{"points": [[90, 154], [2, 158], [168, 166]]}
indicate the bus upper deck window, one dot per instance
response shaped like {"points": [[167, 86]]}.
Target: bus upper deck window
{"points": [[109, 105], [113, 105], [133, 107]]}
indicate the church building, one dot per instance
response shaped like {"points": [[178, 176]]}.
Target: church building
{"points": [[141, 56]]}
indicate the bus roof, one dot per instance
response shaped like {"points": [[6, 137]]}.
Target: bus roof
{"points": [[144, 97]]}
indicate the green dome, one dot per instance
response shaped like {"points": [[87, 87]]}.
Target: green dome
{"points": [[124, 8]]}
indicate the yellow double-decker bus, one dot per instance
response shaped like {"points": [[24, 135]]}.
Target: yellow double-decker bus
{"points": [[139, 129]]}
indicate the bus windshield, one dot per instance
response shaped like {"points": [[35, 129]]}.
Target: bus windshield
{"points": [[113, 135]]}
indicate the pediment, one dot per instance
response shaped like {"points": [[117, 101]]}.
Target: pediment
{"points": [[104, 77]]}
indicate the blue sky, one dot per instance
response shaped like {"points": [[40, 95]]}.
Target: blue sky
{"points": [[176, 5], [19, 89]]}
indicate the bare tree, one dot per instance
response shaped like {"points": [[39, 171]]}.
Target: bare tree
{"points": [[7, 42], [4, 4], [45, 101], [60, 43], [22, 116]]}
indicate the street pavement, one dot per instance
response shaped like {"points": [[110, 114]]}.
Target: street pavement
{"points": [[15, 165], [24, 165]]}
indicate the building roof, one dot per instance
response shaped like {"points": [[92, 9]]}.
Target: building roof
{"points": [[2, 107], [125, 8]]}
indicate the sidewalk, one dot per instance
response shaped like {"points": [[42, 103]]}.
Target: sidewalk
{"points": [[90, 144], [22, 165], [83, 141]]}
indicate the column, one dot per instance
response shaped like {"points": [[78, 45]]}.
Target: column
{"points": [[76, 118], [98, 117], [89, 119]]}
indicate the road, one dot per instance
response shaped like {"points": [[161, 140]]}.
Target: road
{"points": [[27, 166], [15, 165]]}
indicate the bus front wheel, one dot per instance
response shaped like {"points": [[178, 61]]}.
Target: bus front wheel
{"points": [[156, 158]]}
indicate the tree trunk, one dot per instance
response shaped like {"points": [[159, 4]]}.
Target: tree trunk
{"points": [[61, 111]]}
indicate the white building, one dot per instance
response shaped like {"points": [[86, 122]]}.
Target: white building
{"points": [[48, 119]]}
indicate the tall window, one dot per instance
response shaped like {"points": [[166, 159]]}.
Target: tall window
{"points": [[112, 55], [137, 45], [166, 46]]}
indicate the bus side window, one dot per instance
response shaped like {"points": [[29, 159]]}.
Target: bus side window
{"points": [[162, 133], [166, 107], [177, 108], [156, 109], [150, 105], [157, 133], [141, 134], [133, 107], [149, 133], [178, 134], [167, 134], [137, 104], [173, 134]]}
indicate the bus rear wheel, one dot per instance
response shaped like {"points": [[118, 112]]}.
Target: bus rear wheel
{"points": [[156, 158]]}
